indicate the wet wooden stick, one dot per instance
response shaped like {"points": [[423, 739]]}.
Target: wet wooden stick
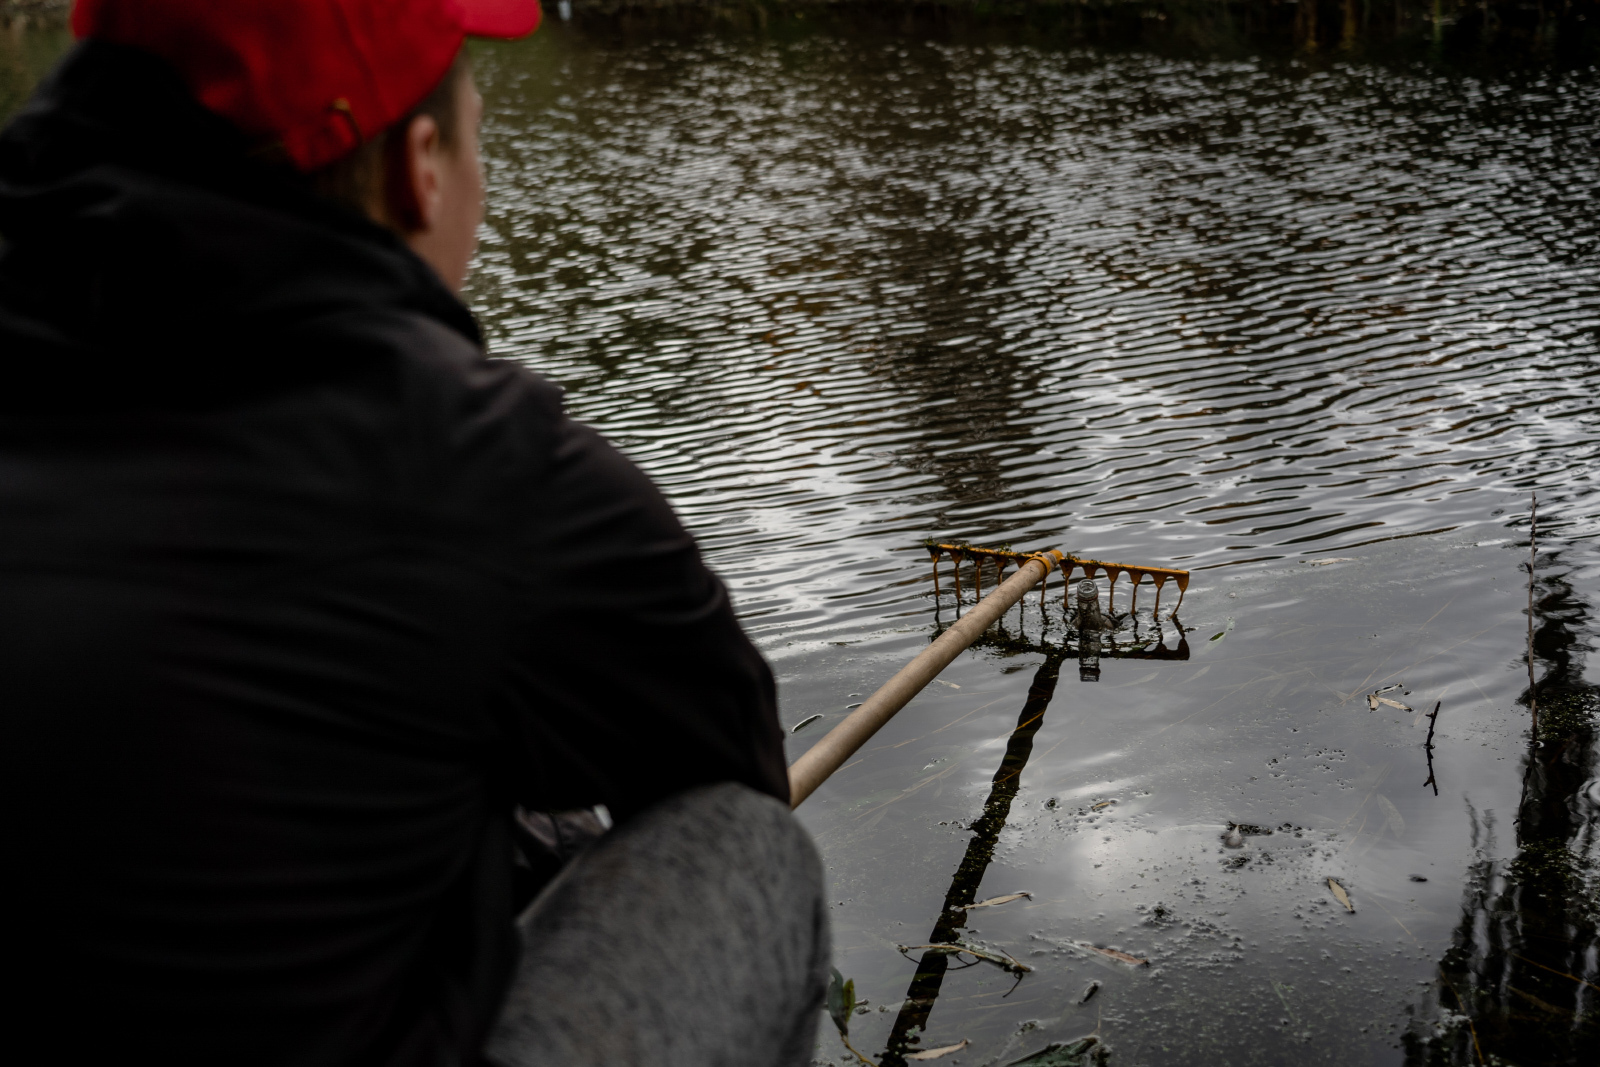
{"points": [[840, 743]]}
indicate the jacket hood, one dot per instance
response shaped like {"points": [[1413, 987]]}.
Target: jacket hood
{"points": [[135, 222]]}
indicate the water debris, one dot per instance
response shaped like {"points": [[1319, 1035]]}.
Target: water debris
{"points": [[1427, 747], [1112, 953], [803, 723], [935, 1053], [841, 1005], [1090, 990], [1394, 704], [1418, 878], [841, 1000], [853, 707], [1080, 1053], [1372, 702], [1324, 561], [1341, 896], [995, 902], [952, 685], [1008, 963], [1102, 804], [1388, 688], [1234, 835]]}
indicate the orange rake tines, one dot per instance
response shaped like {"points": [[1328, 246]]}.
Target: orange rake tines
{"points": [[1090, 567]]}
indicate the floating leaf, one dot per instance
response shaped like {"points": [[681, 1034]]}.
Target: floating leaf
{"points": [[1372, 702], [1341, 896], [995, 902], [853, 707], [1393, 703], [803, 723], [1329, 559], [1061, 1054], [952, 685], [1090, 990], [935, 1053], [841, 1001]]}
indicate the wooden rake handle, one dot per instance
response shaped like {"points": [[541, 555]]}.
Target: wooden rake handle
{"points": [[842, 742]]}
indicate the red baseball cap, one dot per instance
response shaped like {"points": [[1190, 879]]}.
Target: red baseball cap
{"points": [[317, 76]]}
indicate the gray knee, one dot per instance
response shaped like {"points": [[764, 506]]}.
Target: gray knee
{"points": [[693, 932]]}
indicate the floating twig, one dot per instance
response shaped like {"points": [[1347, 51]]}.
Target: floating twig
{"points": [[1121, 957], [1008, 963], [995, 902], [1427, 746]]}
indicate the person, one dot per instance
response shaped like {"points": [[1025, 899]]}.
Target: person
{"points": [[309, 607]]}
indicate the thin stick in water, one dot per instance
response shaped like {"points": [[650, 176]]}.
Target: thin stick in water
{"points": [[1533, 556], [1433, 717]]}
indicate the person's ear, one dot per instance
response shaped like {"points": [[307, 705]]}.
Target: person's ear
{"points": [[415, 194]]}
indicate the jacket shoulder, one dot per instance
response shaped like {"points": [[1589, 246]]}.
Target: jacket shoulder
{"points": [[476, 433]]}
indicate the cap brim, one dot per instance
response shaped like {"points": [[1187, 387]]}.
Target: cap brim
{"points": [[506, 19]]}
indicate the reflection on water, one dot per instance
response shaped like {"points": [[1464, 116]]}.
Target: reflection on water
{"points": [[1301, 297], [924, 988], [1088, 647], [1521, 980]]}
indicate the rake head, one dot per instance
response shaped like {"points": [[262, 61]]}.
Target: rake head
{"points": [[1090, 568]]}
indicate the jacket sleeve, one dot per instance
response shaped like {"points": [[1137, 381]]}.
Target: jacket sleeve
{"points": [[629, 677]]}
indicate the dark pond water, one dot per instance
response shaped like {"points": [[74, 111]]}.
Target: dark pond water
{"points": [[1165, 288]]}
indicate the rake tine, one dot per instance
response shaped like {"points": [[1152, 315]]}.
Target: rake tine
{"points": [[1090, 568]]}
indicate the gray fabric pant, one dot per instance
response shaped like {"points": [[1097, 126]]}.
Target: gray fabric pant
{"points": [[694, 933]]}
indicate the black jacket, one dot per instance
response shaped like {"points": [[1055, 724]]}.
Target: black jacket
{"points": [[300, 595]]}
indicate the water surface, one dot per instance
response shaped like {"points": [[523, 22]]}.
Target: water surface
{"points": [[1221, 300], [841, 289]]}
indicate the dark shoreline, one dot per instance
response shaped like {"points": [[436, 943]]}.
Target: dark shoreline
{"points": [[1473, 36]]}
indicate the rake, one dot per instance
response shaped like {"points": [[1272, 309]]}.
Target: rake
{"points": [[1032, 568]]}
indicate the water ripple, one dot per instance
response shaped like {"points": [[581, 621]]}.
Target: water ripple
{"points": [[837, 295]]}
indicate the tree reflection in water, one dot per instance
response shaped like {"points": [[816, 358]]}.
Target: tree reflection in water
{"points": [[1520, 983]]}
